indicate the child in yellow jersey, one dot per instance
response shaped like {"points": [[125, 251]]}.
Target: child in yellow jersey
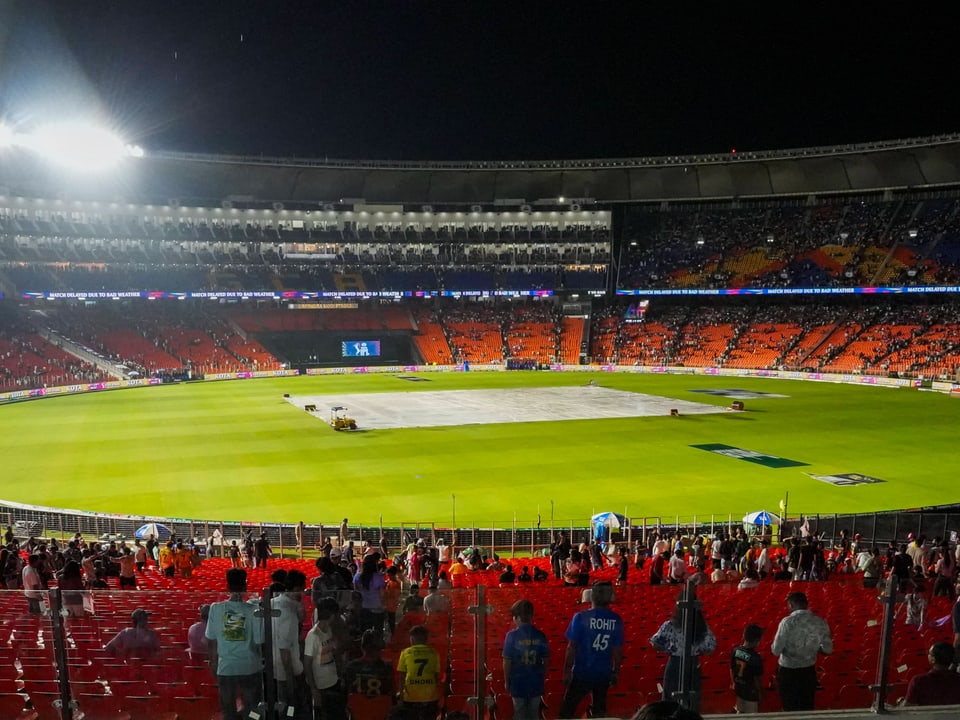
{"points": [[419, 675]]}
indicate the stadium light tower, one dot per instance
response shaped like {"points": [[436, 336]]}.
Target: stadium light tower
{"points": [[79, 146]]}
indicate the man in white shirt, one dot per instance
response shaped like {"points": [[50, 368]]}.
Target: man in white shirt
{"points": [[436, 602], [678, 567], [800, 637], [287, 660], [32, 585]]}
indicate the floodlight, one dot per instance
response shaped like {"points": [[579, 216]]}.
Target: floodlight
{"points": [[77, 146]]}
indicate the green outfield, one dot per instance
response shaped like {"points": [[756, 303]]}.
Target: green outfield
{"points": [[239, 451]]}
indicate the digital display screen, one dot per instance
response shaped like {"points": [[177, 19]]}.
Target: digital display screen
{"points": [[636, 311], [360, 348]]}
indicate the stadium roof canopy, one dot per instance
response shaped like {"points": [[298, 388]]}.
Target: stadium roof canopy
{"points": [[211, 180]]}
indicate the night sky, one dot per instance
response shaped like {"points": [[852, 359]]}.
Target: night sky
{"points": [[445, 80]]}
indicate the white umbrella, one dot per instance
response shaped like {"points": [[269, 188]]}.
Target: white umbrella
{"points": [[159, 532], [761, 517]]}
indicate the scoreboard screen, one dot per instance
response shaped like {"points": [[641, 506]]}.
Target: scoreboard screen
{"points": [[360, 348]]}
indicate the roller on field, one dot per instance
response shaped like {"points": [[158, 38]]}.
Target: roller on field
{"points": [[339, 420]]}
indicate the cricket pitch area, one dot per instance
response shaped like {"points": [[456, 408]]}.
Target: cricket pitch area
{"points": [[390, 411]]}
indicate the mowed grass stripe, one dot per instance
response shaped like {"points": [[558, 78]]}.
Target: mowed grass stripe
{"points": [[239, 451]]}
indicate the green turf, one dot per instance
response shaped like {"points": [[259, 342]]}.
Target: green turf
{"points": [[238, 451]]}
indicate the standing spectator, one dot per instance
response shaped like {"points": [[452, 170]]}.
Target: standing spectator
{"points": [[137, 641], [660, 567], [235, 635], [623, 566], [436, 602], [370, 583], [249, 551], [167, 559], [128, 569], [70, 582], [322, 658], [152, 548], [287, 661], [369, 677], [746, 671], [800, 636], [939, 686], [139, 555], [419, 672], [669, 639], [678, 567], [32, 586], [525, 653], [234, 554], [872, 568], [10, 567], [955, 617], [916, 603], [262, 551], [591, 663], [344, 528], [946, 569]]}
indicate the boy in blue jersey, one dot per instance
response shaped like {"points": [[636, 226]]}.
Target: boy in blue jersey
{"points": [[525, 653], [594, 652]]}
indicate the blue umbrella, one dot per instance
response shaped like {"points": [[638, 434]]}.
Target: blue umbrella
{"points": [[761, 517], [606, 522], [159, 532]]}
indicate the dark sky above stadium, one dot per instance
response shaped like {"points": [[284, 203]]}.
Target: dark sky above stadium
{"points": [[444, 80]]}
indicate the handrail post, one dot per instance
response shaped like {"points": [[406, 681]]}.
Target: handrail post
{"points": [[67, 706], [685, 693], [889, 600]]}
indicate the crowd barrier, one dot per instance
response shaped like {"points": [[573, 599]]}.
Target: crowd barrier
{"points": [[509, 538]]}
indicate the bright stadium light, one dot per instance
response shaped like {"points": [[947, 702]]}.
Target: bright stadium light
{"points": [[78, 146]]}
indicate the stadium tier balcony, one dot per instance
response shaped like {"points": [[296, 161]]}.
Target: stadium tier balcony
{"points": [[851, 243]]}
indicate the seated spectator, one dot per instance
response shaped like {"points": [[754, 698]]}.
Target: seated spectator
{"points": [[443, 582], [524, 575], [137, 641], [699, 577], [508, 576], [540, 575], [197, 635], [939, 686], [783, 571], [750, 580]]}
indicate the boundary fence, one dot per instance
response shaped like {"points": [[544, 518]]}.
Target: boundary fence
{"points": [[511, 538]]}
